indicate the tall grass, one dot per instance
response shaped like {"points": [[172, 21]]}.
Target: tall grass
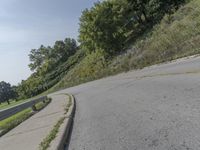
{"points": [[177, 35]]}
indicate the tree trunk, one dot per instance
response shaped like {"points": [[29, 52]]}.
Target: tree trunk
{"points": [[8, 102]]}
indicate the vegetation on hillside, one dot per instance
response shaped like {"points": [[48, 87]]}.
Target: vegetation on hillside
{"points": [[49, 65], [116, 36], [141, 46], [113, 24], [176, 36]]}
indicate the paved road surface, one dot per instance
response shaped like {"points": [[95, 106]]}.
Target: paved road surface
{"points": [[29, 134], [157, 108]]}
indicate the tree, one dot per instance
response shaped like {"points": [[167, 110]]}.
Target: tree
{"points": [[110, 25], [44, 58], [153, 10], [7, 92], [101, 27], [65, 49], [70, 47]]}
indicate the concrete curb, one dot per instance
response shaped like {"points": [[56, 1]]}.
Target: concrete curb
{"points": [[61, 139]]}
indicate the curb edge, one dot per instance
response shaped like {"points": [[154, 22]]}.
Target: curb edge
{"points": [[64, 131]]}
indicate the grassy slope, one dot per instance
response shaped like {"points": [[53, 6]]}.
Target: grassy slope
{"points": [[61, 70], [176, 36]]}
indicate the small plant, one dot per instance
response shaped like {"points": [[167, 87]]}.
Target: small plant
{"points": [[51, 136]]}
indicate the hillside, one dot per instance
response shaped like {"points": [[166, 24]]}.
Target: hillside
{"points": [[176, 36], [131, 36]]}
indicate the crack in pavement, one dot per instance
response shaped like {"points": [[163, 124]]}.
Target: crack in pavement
{"points": [[168, 74]]}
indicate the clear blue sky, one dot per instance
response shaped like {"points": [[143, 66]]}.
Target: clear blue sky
{"points": [[26, 24]]}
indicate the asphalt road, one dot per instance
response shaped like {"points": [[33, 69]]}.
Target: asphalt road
{"points": [[157, 108]]}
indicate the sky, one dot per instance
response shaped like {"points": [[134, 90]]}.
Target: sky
{"points": [[26, 24]]}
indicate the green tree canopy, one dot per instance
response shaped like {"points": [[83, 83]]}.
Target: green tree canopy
{"points": [[7, 92], [44, 58], [110, 25]]}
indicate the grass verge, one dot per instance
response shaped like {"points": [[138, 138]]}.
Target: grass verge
{"points": [[7, 124], [51, 136], [13, 121], [44, 145]]}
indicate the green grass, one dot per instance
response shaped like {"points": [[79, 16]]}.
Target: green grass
{"points": [[51, 136], [44, 145], [7, 124], [177, 36], [88, 69], [39, 106], [11, 122]]}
